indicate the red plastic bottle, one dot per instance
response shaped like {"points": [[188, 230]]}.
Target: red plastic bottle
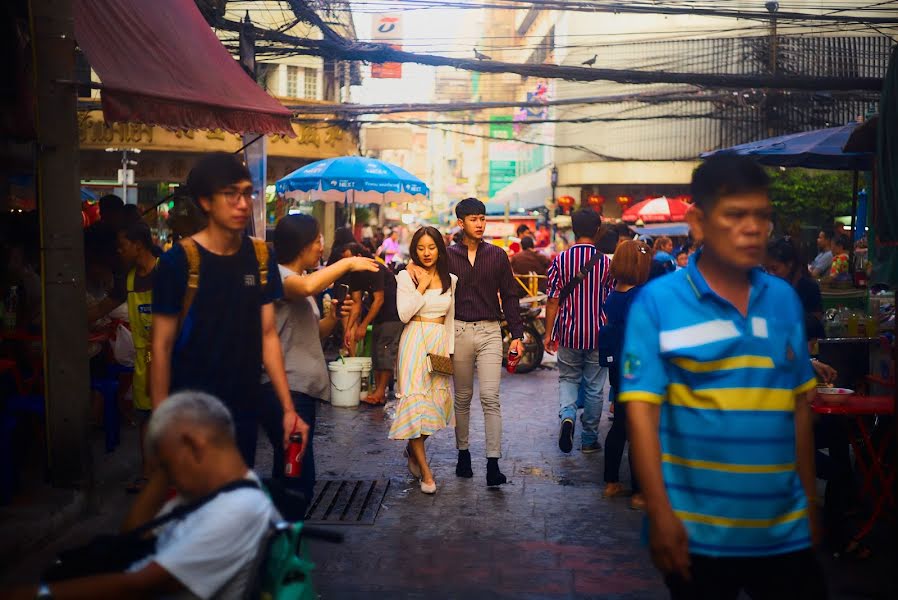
{"points": [[292, 460]]}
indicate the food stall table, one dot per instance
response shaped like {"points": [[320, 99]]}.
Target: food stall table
{"points": [[878, 470]]}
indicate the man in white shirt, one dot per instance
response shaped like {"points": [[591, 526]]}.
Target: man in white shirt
{"points": [[208, 553]]}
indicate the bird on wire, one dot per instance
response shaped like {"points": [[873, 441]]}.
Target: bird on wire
{"points": [[591, 61], [480, 55]]}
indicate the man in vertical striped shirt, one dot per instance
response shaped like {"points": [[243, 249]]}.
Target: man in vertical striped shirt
{"points": [[572, 329], [717, 380]]}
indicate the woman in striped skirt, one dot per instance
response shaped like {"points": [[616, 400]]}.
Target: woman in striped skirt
{"points": [[425, 300]]}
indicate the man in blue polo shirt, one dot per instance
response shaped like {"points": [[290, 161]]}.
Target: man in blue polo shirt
{"points": [[716, 370]]}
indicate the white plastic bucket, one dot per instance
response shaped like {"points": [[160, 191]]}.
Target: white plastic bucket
{"points": [[363, 362], [346, 381]]}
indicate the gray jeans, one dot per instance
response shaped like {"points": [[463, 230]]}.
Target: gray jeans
{"points": [[478, 343]]}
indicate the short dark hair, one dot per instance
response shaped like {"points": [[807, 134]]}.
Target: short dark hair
{"points": [[356, 249], [527, 243], [724, 175], [827, 233], [110, 203], [343, 236], [131, 213], [468, 207], [213, 172], [139, 233], [608, 240], [843, 241], [585, 222], [292, 235], [521, 229], [682, 251]]}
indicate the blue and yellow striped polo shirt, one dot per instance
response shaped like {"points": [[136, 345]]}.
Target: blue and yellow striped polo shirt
{"points": [[727, 385]]}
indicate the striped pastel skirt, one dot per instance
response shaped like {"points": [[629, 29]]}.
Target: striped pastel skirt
{"points": [[425, 402]]}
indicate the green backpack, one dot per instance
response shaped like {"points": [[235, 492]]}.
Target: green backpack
{"points": [[285, 574]]}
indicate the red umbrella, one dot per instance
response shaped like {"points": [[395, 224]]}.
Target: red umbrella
{"points": [[657, 210]]}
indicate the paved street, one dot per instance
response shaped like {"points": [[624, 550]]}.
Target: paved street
{"points": [[547, 534]]}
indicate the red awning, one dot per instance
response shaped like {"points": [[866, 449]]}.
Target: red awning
{"points": [[161, 64]]}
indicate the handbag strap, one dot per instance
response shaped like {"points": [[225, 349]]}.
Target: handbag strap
{"points": [[182, 511], [579, 276]]}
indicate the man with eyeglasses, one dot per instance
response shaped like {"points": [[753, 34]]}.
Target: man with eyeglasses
{"points": [[213, 311]]}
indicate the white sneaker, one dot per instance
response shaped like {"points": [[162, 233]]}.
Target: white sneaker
{"points": [[429, 488]]}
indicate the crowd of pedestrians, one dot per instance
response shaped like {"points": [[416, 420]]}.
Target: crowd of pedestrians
{"points": [[705, 355]]}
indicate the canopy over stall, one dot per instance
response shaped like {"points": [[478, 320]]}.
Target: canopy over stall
{"points": [[161, 64], [666, 229], [818, 149]]}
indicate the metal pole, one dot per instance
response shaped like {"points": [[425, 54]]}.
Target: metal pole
{"points": [[854, 190], [66, 383], [772, 8], [125, 176]]}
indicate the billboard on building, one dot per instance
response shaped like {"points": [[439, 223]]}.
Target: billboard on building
{"points": [[387, 28]]}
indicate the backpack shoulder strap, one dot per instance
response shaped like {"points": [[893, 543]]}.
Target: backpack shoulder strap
{"points": [[182, 511], [193, 274], [579, 276], [261, 249]]}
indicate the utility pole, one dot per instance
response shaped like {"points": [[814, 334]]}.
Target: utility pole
{"points": [[772, 8], [66, 388]]}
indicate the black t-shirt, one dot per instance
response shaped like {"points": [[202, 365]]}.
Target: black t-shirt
{"points": [[381, 281], [219, 347], [808, 292]]}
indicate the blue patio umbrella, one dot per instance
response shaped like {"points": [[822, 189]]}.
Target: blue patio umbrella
{"points": [[818, 149], [352, 178]]}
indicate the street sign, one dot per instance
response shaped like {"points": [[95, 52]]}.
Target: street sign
{"points": [[126, 176], [502, 173], [501, 127], [387, 28]]}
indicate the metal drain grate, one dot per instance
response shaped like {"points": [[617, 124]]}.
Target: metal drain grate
{"points": [[347, 501]]}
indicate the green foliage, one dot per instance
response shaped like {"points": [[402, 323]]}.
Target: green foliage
{"points": [[363, 215], [808, 197]]}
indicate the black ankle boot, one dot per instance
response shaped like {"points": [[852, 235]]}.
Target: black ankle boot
{"points": [[463, 468], [493, 475]]}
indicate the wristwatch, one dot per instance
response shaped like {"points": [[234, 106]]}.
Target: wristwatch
{"points": [[43, 592]]}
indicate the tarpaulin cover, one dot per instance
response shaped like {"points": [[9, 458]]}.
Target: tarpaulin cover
{"points": [[161, 64]]}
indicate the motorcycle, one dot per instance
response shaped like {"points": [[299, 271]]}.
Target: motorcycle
{"points": [[534, 330]]}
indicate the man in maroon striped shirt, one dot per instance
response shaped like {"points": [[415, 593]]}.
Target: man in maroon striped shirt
{"points": [[484, 274], [574, 334]]}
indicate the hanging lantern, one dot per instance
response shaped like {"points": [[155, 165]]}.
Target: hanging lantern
{"points": [[624, 201], [596, 201], [565, 202]]}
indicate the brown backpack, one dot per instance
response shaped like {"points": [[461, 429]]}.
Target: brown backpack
{"points": [[193, 269]]}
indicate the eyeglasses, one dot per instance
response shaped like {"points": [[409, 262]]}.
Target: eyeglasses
{"points": [[233, 196]]}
